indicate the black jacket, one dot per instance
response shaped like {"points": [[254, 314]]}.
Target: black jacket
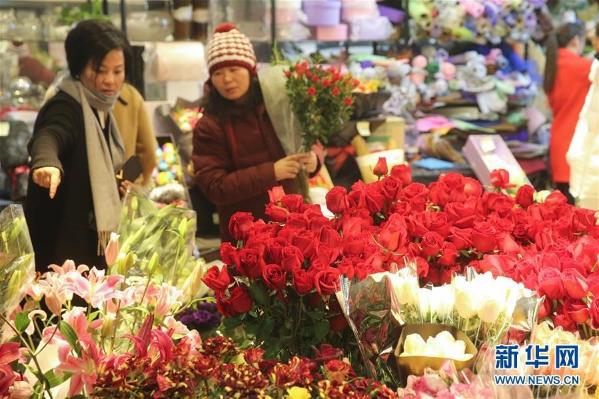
{"points": [[62, 228]]}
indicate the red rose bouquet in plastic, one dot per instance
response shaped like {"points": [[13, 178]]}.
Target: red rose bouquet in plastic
{"points": [[321, 98]]}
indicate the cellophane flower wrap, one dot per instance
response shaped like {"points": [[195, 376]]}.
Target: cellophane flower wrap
{"points": [[482, 306], [156, 241], [367, 306], [17, 265], [321, 98]]}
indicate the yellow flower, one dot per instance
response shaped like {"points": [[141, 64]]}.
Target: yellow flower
{"points": [[298, 393]]}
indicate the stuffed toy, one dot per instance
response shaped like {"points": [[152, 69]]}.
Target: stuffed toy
{"points": [[474, 8], [421, 11], [419, 73]]}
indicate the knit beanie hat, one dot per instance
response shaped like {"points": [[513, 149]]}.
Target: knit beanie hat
{"points": [[229, 47]]}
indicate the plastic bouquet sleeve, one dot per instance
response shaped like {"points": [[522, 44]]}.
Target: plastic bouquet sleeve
{"points": [[17, 265], [367, 307], [156, 241], [287, 127]]}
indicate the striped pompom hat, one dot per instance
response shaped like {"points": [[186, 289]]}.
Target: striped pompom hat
{"points": [[229, 47]]}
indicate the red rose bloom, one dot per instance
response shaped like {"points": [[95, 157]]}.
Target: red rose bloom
{"points": [[449, 254], [274, 277], [577, 311], [484, 237], [306, 243], [550, 283], [330, 237], [229, 254], [373, 198], [422, 267], [500, 203], [583, 220], [437, 221], [461, 238], [556, 198], [564, 321], [390, 187], [461, 214], [500, 178], [276, 213], [303, 281], [293, 202], [439, 193], [394, 233], [525, 196], [380, 169], [291, 258], [275, 194], [240, 225], [403, 173], [326, 281], [472, 187], [431, 243], [574, 283], [237, 303], [545, 309], [594, 313], [336, 200], [250, 263], [217, 279], [346, 267]]}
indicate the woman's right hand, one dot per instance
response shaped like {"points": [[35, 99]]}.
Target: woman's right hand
{"points": [[48, 177], [288, 167]]}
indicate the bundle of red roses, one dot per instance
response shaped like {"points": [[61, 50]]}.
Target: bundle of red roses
{"points": [[321, 98], [279, 283], [441, 228]]}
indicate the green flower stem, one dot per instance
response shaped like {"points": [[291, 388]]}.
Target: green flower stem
{"points": [[48, 341], [116, 323]]}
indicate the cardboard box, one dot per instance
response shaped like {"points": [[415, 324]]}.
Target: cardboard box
{"points": [[393, 127], [487, 152]]}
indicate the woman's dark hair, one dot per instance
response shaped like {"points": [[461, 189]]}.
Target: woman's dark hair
{"points": [[91, 40], [215, 104], [558, 39]]}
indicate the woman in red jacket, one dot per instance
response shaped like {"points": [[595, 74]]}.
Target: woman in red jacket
{"points": [[237, 155], [566, 84]]}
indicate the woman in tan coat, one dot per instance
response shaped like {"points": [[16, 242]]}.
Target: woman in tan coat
{"points": [[136, 129]]}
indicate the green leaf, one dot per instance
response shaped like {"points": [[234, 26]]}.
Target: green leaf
{"points": [[70, 335], [55, 380], [231, 322], [92, 316], [258, 294], [321, 329], [22, 321], [265, 329]]}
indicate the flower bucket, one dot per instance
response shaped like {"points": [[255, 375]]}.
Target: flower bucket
{"points": [[322, 12]]}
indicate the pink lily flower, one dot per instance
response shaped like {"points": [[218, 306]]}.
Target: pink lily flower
{"points": [[83, 370], [68, 266], [96, 288], [167, 297], [112, 249]]}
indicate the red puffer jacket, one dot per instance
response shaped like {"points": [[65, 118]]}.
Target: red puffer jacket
{"points": [[233, 160]]}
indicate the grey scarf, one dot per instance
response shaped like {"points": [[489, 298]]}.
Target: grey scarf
{"points": [[102, 166]]}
